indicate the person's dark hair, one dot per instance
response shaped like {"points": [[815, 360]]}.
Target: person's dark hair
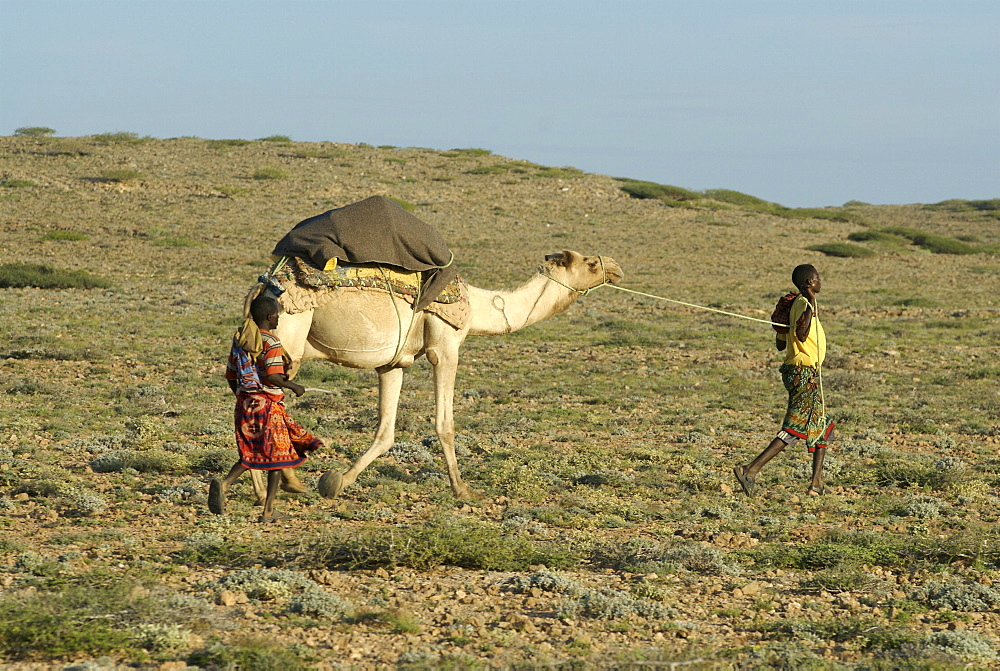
{"points": [[802, 274], [262, 306]]}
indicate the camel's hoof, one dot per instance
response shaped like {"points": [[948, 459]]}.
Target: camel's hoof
{"points": [[467, 494], [290, 482], [330, 485]]}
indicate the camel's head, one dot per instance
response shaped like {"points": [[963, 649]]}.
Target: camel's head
{"points": [[582, 272]]}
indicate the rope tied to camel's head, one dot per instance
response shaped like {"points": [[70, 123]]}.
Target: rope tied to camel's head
{"points": [[582, 292]]}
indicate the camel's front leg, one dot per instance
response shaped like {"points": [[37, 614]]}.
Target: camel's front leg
{"points": [[390, 382], [445, 364]]}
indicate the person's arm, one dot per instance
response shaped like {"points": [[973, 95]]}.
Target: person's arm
{"points": [[281, 380], [803, 324], [232, 384], [780, 343]]}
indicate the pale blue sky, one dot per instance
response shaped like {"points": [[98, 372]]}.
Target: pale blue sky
{"points": [[801, 102]]}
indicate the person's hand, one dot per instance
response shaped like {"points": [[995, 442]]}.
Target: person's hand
{"points": [[296, 388]]}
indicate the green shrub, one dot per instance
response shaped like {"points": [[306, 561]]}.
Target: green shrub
{"points": [[842, 249], [646, 190], [66, 147], [492, 169], [959, 596], [120, 137], [271, 173], [737, 198], [260, 654], [409, 207], [938, 244], [877, 236], [844, 549], [34, 131], [64, 236], [144, 461], [17, 184], [275, 138], [226, 144], [640, 555], [78, 619], [444, 540], [840, 578], [467, 152], [121, 175], [13, 275], [916, 302]]}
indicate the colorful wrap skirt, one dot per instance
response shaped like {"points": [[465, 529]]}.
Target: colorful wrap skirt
{"points": [[266, 436], [806, 417]]}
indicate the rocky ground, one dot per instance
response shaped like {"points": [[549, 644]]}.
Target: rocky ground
{"points": [[601, 442]]}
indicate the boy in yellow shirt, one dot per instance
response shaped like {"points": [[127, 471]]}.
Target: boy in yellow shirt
{"points": [[805, 348]]}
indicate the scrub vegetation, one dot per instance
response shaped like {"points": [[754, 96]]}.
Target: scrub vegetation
{"points": [[609, 530]]}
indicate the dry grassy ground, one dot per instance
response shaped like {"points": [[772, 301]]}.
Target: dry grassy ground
{"points": [[602, 440]]}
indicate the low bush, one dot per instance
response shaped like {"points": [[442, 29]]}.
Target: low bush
{"points": [[227, 143], [639, 555], [64, 236], [737, 198], [17, 184], [450, 541], [651, 190], [76, 619], [119, 137], [937, 244], [842, 249], [144, 461], [836, 549], [956, 595], [13, 275], [34, 131], [248, 653], [271, 173], [121, 175]]}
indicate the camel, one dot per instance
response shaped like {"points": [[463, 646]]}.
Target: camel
{"points": [[375, 330]]}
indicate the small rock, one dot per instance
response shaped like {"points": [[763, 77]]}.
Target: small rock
{"points": [[381, 573]]}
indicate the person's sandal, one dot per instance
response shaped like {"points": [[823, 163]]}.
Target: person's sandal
{"points": [[748, 483]]}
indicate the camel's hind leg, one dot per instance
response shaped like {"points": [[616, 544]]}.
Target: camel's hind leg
{"points": [[390, 382], [289, 483]]}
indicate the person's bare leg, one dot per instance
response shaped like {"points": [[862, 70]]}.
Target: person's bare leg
{"points": [[816, 487], [773, 449], [236, 471], [273, 480]]}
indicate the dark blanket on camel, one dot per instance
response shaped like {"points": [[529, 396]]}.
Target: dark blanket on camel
{"points": [[374, 230]]}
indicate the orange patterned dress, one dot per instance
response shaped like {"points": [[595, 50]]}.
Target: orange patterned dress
{"points": [[266, 435]]}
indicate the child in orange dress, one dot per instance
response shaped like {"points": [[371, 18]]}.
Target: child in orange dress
{"points": [[266, 436]]}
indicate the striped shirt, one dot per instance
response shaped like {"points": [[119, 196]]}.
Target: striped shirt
{"points": [[270, 362]]}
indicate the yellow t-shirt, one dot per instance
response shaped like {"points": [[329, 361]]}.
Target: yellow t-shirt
{"points": [[812, 352]]}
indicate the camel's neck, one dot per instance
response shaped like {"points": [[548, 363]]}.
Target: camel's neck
{"points": [[504, 311]]}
